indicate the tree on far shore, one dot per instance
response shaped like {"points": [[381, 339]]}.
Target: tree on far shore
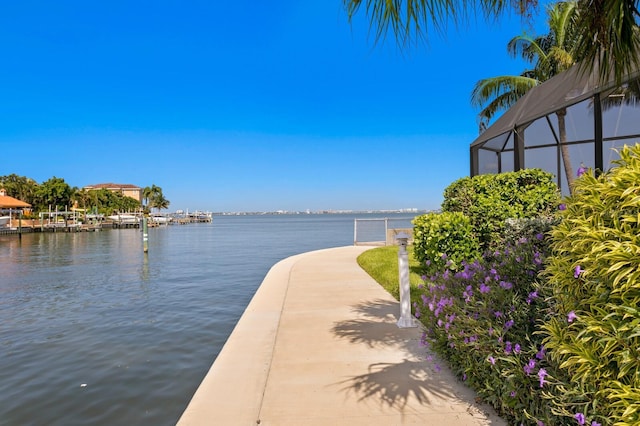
{"points": [[154, 198], [53, 194], [20, 187]]}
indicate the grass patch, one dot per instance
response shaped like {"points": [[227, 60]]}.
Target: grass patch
{"points": [[382, 264]]}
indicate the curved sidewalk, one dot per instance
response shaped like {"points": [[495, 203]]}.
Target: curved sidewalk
{"points": [[319, 345]]}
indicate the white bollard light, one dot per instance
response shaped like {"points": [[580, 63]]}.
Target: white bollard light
{"points": [[406, 320]]}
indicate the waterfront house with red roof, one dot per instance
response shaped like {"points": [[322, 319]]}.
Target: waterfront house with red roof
{"points": [[126, 189]]}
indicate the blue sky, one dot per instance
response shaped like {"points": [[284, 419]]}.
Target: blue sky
{"points": [[241, 106]]}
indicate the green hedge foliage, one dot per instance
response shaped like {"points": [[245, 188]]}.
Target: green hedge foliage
{"points": [[593, 328], [489, 200], [444, 239]]}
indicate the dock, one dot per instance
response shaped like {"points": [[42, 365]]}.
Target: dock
{"points": [[68, 222]]}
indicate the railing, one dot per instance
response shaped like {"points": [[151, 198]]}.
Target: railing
{"points": [[381, 231]]}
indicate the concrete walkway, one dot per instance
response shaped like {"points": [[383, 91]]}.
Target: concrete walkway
{"points": [[319, 345]]}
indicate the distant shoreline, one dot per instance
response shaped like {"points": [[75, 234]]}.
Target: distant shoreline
{"points": [[307, 212]]}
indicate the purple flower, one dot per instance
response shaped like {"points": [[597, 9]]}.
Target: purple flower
{"points": [[532, 295], [516, 348], [529, 367], [513, 394], [581, 170], [507, 348], [571, 316], [577, 271], [580, 418], [468, 294], [542, 373], [540, 354], [464, 377], [484, 288], [506, 285], [498, 314], [594, 423], [539, 423], [539, 236], [509, 324], [428, 262], [562, 206], [444, 256], [492, 360]]}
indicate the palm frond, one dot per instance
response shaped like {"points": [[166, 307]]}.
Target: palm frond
{"points": [[494, 87], [410, 20], [526, 47], [608, 37], [499, 103]]}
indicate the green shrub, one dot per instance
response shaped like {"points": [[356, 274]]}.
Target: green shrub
{"points": [[488, 200], [593, 327], [443, 239]]}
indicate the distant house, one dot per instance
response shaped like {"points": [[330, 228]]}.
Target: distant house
{"points": [[7, 202], [126, 189]]}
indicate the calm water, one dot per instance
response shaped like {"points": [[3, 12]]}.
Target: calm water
{"points": [[92, 331]]}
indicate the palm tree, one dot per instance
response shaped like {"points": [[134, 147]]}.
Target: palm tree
{"points": [[160, 202], [606, 29], [154, 198], [550, 55], [147, 194], [81, 197]]}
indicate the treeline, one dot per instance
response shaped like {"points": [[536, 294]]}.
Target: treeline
{"points": [[55, 193]]}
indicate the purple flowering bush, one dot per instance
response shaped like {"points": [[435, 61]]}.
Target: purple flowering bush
{"points": [[483, 320]]}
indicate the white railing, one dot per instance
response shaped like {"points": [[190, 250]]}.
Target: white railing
{"points": [[380, 231]]}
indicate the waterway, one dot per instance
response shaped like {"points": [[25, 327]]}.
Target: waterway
{"points": [[93, 331]]}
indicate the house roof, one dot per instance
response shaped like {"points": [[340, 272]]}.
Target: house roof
{"points": [[113, 186], [561, 91], [7, 202]]}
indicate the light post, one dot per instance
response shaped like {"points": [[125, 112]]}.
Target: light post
{"points": [[406, 320]]}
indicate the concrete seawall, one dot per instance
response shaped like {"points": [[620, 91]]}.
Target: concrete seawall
{"points": [[231, 392]]}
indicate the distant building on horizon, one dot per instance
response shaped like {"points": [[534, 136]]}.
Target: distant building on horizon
{"points": [[125, 189]]}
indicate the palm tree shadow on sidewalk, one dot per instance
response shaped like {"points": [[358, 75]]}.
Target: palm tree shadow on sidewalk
{"points": [[417, 380], [393, 383]]}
